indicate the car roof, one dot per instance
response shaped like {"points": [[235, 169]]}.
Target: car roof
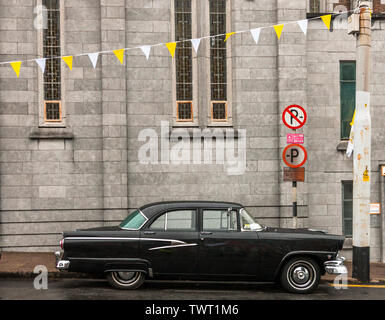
{"points": [[153, 208]]}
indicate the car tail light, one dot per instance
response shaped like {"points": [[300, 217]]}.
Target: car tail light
{"points": [[62, 244]]}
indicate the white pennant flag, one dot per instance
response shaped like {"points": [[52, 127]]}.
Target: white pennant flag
{"points": [[255, 33], [350, 148], [41, 63], [303, 26], [146, 51], [195, 43], [94, 58]]}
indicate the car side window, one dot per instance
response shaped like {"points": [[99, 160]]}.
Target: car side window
{"points": [[175, 220], [221, 220]]}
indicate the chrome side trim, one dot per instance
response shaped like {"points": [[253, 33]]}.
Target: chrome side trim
{"points": [[174, 246], [133, 239]]}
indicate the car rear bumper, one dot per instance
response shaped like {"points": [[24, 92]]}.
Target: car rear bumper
{"points": [[61, 264], [336, 266]]}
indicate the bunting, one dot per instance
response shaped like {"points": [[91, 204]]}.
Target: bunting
{"points": [[303, 25], [16, 67], [350, 147], [146, 50], [41, 64], [255, 33], [119, 53], [171, 48], [195, 43], [94, 58], [326, 19], [68, 60], [228, 35], [278, 30]]}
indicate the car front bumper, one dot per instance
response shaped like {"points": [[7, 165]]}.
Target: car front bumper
{"points": [[61, 264], [336, 266]]}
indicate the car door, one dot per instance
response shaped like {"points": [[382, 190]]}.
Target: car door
{"points": [[224, 250], [170, 242]]}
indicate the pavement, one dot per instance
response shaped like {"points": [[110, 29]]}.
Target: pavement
{"points": [[22, 264], [153, 291]]}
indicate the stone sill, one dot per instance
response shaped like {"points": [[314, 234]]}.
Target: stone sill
{"points": [[342, 145], [51, 133]]}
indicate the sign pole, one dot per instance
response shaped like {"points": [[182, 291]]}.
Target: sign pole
{"points": [[295, 222]]}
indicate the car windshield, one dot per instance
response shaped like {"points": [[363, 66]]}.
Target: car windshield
{"points": [[247, 222], [134, 221]]}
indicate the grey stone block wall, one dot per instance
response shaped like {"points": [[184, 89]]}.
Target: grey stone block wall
{"points": [[93, 179]]}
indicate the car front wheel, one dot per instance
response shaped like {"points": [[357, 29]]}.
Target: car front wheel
{"points": [[300, 275], [126, 280]]}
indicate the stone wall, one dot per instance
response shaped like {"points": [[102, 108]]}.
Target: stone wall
{"points": [[93, 176]]}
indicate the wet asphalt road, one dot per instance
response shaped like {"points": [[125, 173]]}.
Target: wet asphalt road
{"points": [[98, 289]]}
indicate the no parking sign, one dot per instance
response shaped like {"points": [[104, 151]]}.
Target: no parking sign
{"points": [[294, 117]]}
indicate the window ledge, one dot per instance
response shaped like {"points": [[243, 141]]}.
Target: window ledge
{"points": [[52, 133], [342, 145]]}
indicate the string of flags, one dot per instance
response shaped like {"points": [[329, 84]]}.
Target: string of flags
{"points": [[171, 46]]}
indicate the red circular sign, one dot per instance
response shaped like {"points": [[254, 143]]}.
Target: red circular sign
{"points": [[296, 115], [294, 164]]}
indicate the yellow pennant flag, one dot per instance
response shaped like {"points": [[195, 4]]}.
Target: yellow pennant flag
{"points": [[16, 67], [278, 30], [326, 19], [119, 54], [354, 115], [228, 35], [171, 48], [68, 60]]}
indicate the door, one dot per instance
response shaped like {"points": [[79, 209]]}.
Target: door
{"points": [[170, 243], [224, 249]]}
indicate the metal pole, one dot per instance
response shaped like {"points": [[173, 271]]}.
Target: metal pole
{"points": [[362, 150], [295, 222]]}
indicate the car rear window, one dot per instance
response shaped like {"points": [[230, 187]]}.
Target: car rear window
{"points": [[134, 221]]}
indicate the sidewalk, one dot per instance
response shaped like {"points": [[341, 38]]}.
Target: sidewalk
{"points": [[21, 264]]}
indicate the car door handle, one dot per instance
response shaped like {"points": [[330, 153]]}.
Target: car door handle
{"points": [[149, 232], [206, 233]]}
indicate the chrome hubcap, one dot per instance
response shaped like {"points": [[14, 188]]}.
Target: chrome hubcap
{"points": [[300, 275], [125, 277]]}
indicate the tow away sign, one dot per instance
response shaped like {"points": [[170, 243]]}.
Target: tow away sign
{"points": [[295, 138]]}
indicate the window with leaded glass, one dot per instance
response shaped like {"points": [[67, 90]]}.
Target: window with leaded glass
{"points": [[347, 208], [218, 61], [347, 95], [51, 50], [314, 6], [183, 60]]}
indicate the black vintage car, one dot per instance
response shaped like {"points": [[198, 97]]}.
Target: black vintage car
{"points": [[201, 241]]}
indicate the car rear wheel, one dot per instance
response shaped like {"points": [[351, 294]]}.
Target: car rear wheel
{"points": [[300, 275], [126, 280]]}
